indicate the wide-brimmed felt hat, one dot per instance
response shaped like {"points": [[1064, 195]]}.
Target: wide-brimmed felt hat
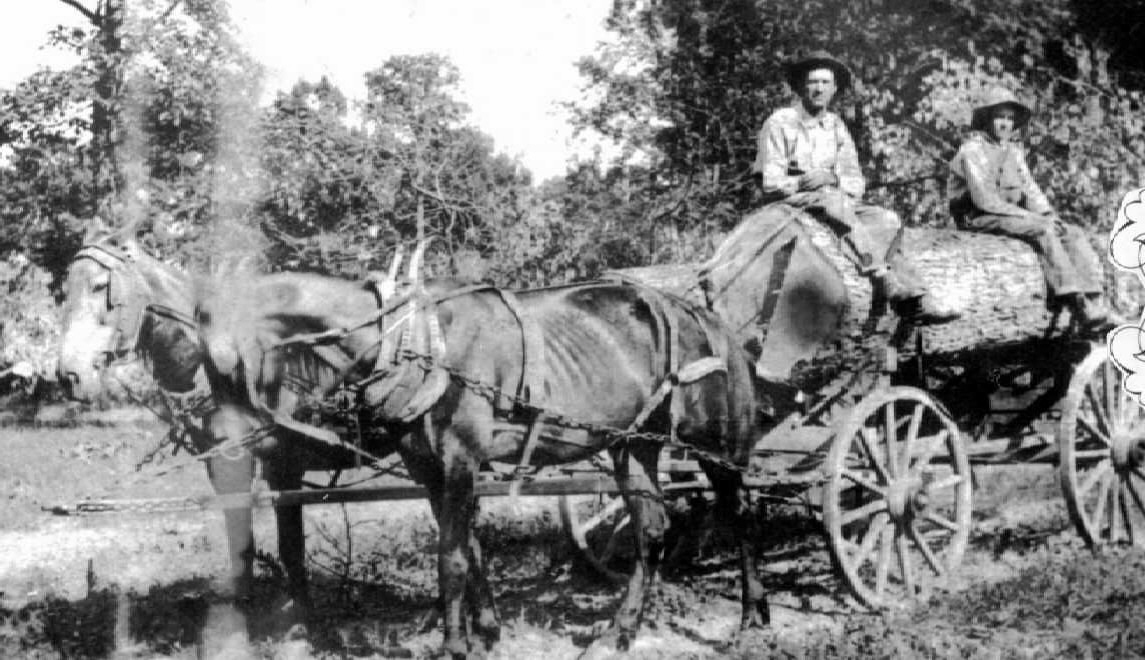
{"points": [[999, 97], [798, 68]]}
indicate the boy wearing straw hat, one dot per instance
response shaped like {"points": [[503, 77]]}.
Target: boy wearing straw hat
{"points": [[991, 190], [807, 159]]}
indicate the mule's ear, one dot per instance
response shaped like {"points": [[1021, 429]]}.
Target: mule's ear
{"points": [[414, 274], [392, 274]]}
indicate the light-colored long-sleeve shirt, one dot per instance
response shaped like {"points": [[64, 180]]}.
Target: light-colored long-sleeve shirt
{"points": [[993, 178], [792, 143]]}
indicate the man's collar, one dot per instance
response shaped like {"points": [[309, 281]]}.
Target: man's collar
{"points": [[809, 120], [985, 136]]}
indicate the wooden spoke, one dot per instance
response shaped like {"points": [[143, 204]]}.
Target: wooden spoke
{"points": [[1129, 408], [860, 480], [869, 443], [884, 564], [952, 480], [905, 564], [872, 535], [1098, 411], [911, 436], [1082, 422], [606, 512], [863, 511], [1124, 495], [941, 521], [610, 547], [1102, 494], [1111, 382], [1114, 508], [1091, 454], [931, 445], [1095, 474], [1135, 494], [889, 423], [924, 548]]}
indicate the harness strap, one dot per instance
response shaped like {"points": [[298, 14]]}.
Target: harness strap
{"points": [[532, 384], [668, 338]]}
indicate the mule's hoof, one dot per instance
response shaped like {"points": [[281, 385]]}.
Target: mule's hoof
{"points": [[600, 649], [756, 617], [489, 636], [297, 649]]}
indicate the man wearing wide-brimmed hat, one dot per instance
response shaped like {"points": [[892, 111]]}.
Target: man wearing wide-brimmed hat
{"points": [[992, 190], [807, 159]]}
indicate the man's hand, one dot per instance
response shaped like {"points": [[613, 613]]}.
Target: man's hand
{"points": [[816, 179]]}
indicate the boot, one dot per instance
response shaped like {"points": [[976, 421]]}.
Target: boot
{"points": [[1092, 315]]}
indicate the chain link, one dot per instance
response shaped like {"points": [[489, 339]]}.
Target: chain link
{"points": [[614, 434]]}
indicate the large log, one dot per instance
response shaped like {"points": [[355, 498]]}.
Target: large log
{"points": [[995, 282]]}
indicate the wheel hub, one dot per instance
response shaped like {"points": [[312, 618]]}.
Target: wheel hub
{"points": [[1127, 452], [906, 498]]}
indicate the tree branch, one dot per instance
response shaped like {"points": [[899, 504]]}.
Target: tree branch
{"points": [[88, 14]]}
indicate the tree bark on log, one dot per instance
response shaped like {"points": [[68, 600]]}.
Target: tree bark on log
{"points": [[995, 282]]}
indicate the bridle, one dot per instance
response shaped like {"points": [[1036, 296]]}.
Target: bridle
{"points": [[128, 302]]}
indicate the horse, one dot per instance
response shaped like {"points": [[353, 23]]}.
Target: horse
{"points": [[540, 377], [122, 303]]}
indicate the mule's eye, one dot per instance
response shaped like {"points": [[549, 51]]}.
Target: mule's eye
{"points": [[99, 286]]}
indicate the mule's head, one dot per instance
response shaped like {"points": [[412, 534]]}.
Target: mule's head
{"points": [[102, 312], [226, 311]]}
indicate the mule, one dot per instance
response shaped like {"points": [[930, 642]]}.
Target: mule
{"points": [[120, 304], [477, 374]]}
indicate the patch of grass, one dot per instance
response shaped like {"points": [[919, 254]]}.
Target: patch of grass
{"points": [[1066, 604]]}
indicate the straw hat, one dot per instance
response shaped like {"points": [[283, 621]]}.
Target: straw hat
{"points": [[820, 59], [999, 98]]}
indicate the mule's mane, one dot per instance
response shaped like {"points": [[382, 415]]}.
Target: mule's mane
{"points": [[311, 301]]}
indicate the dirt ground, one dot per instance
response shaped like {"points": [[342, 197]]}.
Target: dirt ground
{"points": [[131, 585]]}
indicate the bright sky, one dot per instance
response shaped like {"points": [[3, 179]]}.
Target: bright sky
{"points": [[516, 56]]}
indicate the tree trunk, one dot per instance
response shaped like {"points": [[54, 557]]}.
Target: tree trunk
{"points": [[995, 282], [106, 120]]}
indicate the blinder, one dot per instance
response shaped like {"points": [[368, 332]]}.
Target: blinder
{"points": [[126, 300]]}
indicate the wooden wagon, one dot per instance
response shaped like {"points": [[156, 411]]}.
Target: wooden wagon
{"points": [[877, 424]]}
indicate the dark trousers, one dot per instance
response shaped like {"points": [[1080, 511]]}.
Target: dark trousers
{"points": [[1068, 260]]}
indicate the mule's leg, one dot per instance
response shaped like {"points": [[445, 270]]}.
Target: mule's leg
{"points": [[479, 594], [733, 507], [482, 609], [649, 522], [283, 474], [233, 474], [455, 522]]}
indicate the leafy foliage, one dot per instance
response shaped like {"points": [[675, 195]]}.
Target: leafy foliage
{"points": [[686, 84]]}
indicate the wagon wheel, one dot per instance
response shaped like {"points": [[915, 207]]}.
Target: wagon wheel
{"points": [[1102, 442], [896, 503], [599, 527]]}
